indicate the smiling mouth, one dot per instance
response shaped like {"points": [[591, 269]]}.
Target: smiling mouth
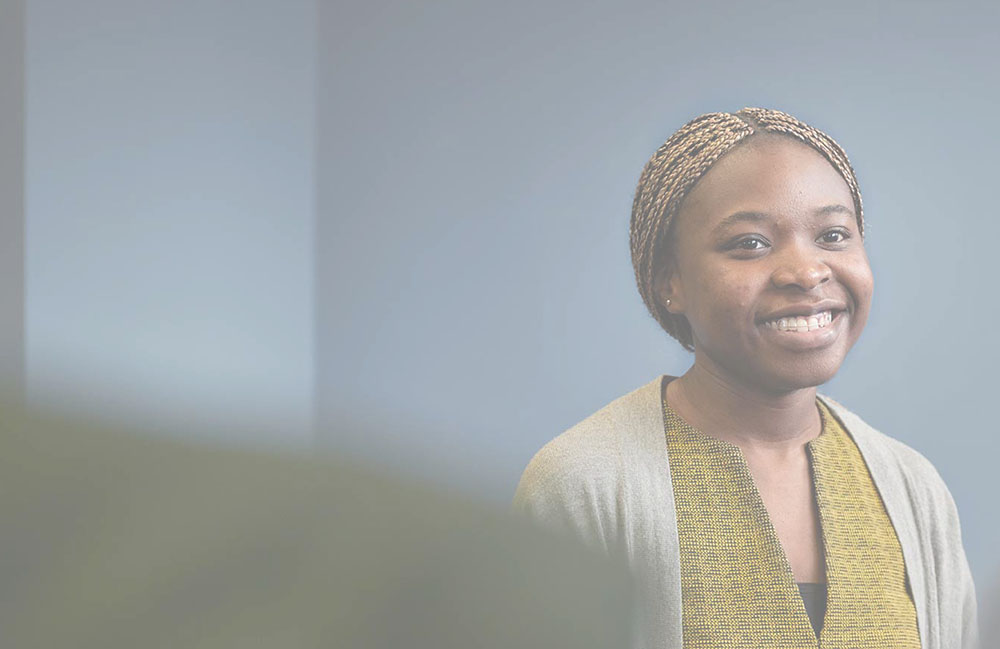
{"points": [[801, 323]]}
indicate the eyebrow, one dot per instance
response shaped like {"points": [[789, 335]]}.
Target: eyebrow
{"points": [[757, 217]]}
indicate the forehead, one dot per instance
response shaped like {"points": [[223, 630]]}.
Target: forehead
{"points": [[768, 174]]}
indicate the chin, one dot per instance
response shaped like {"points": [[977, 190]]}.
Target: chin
{"points": [[798, 375], [776, 371]]}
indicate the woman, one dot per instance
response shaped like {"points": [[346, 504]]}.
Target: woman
{"points": [[753, 511]]}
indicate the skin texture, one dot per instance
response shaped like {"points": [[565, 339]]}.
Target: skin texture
{"points": [[750, 385]]}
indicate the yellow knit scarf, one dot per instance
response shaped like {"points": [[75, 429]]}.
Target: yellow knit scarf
{"points": [[737, 587]]}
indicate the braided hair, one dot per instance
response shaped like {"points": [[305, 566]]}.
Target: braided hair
{"points": [[674, 169]]}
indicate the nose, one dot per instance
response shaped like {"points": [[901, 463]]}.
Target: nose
{"points": [[802, 268]]}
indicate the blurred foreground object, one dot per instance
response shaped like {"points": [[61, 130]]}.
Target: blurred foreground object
{"points": [[111, 540]]}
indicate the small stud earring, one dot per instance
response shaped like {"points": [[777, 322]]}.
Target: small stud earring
{"points": [[667, 302]]}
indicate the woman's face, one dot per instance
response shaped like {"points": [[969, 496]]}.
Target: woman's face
{"points": [[769, 267]]}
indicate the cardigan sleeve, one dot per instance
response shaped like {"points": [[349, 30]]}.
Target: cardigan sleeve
{"points": [[941, 536], [958, 592]]}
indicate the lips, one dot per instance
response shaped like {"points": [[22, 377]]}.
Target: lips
{"points": [[803, 310], [801, 323], [794, 338]]}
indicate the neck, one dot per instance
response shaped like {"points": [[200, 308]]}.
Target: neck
{"points": [[740, 414]]}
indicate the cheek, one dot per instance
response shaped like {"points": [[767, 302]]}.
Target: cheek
{"points": [[726, 296], [861, 284]]}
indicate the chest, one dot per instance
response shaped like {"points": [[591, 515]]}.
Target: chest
{"points": [[748, 533], [787, 493]]}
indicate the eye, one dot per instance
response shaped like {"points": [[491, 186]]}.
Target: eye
{"points": [[838, 235], [749, 243]]}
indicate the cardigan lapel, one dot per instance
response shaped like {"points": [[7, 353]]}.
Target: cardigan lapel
{"points": [[654, 540]]}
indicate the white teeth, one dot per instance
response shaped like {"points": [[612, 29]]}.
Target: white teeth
{"points": [[801, 323]]}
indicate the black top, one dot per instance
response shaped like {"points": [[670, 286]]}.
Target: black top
{"points": [[814, 597]]}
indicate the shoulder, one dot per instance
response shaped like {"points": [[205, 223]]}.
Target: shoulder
{"points": [[578, 477], [921, 506], [898, 466], [600, 444]]}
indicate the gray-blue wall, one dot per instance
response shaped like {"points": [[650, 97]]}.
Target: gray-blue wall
{"points": [[11, 198], [476, 169], [170, 210]]}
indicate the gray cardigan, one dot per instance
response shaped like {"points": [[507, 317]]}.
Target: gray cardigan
{"points": [[606, 480]]}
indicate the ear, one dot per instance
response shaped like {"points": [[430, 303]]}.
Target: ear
{"points": [[667, 285]]}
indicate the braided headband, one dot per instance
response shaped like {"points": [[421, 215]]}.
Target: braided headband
{"points": [[675, 168]]}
